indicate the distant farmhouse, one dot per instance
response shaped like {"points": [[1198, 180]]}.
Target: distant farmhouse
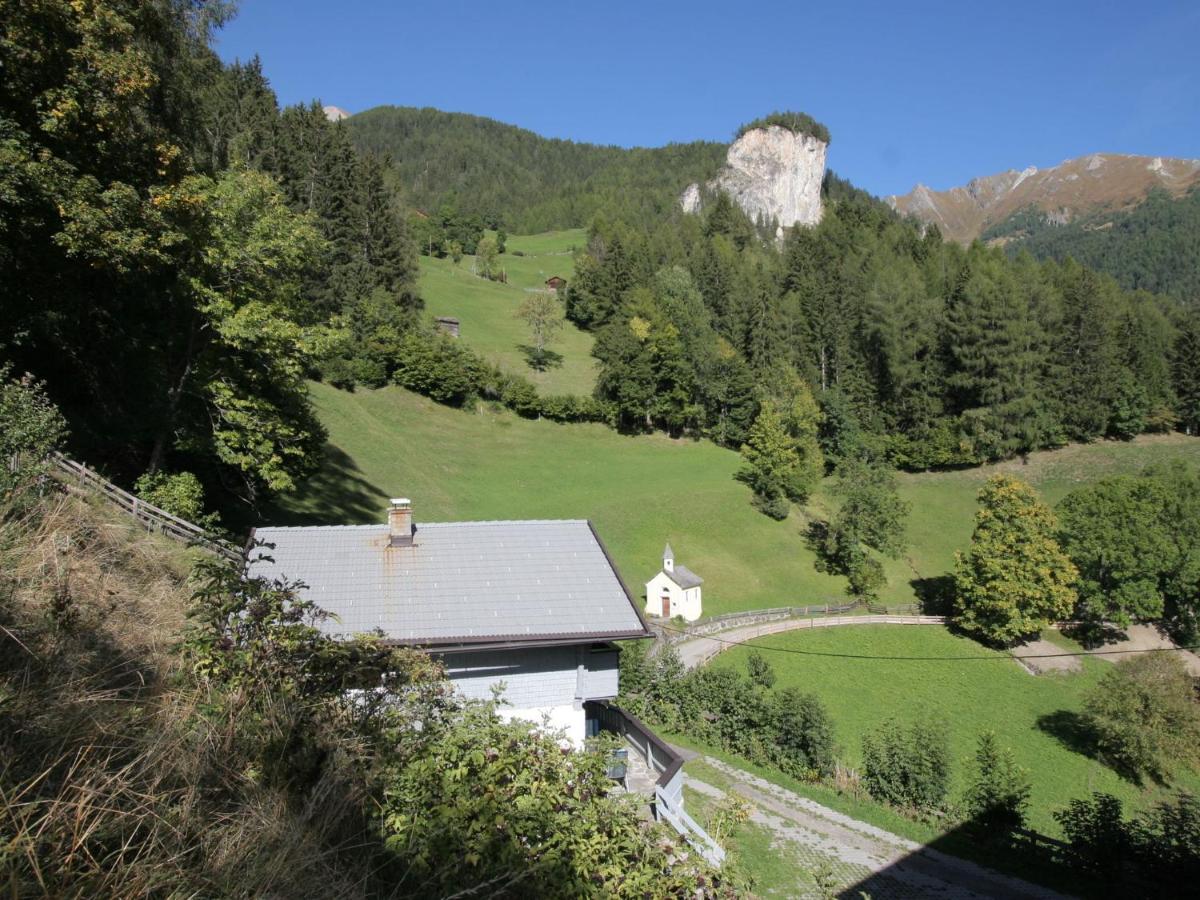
{"points": [[533, 604], [675, 591], [555, 283]]}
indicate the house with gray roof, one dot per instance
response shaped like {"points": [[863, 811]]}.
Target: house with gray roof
{"points": [[675, 591], [533, 605]]}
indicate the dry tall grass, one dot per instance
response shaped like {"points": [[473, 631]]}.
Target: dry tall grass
{"points": [[112, 780]]}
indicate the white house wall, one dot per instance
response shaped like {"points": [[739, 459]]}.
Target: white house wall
{"points": [[538, 681]]}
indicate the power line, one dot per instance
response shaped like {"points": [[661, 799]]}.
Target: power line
{"points": [[708, 637]]}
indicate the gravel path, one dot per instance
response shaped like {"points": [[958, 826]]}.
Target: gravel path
{"points": [[699, 650], [862, 857]]}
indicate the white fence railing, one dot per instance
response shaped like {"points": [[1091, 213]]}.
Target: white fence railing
{"points": [[668, 790]]}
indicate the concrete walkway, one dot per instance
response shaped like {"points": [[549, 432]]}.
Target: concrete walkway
{"points": [[699, 650], [861, 857]]}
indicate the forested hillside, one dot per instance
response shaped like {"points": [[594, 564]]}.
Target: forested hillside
{"points": [[176, 252], [1153, 247], [513, 178], [917, 350]]}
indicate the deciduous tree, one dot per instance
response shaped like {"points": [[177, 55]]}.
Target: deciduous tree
{"points": [[1014, 579], [1145, 716], [540, 310]]}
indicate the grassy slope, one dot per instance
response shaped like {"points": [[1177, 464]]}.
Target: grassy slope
{"points": [[639, 491], [487, 309], [642, 492], [985, 690], [943, 503]]}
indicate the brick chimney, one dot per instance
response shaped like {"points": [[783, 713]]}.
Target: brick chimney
{"points": [[400, 523]]}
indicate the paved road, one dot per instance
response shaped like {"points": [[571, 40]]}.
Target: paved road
{"points": [[861, 857], [699, 650]]}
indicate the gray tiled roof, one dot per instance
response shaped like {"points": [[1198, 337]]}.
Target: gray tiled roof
{"points": [[685, 577], [460, 582]]}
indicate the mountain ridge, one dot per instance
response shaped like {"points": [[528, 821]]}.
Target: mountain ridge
{"points": [[1063, 193]]}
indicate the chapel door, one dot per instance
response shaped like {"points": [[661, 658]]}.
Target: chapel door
{"points": [[666, 599]]}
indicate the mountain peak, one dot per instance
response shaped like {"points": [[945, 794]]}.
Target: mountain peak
{"points": [[1072, 188], [335, 113]]}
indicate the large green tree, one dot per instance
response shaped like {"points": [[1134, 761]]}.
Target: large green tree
{"points": [[870, 517], [1115, 533], [1145, 717], [1014, 579]]}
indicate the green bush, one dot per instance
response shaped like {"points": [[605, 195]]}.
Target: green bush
{"points": [[439, 367], [1145, 716], [30, 427], [1096, 832], [760, 670], [908, 766], [179, 493], [521, 397], [803, 734], [1163, 841]]}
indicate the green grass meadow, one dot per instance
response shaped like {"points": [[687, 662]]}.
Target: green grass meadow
{"points": [[487, 309], [490, 464], [641, 492], [956, 680]]}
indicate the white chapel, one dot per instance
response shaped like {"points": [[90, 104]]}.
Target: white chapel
{"points": [[675, 591]]}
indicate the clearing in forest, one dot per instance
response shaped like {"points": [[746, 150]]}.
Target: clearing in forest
{"points": [[487, 310]]}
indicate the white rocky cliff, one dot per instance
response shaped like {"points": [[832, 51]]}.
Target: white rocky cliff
{"points": [[770, 172]]}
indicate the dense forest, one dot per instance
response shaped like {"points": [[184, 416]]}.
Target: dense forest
{"points": [[919, 352], [176, 252], [1153, 247], [521, 181]]}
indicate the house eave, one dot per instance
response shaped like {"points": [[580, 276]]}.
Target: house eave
{"points": [[474, 645]]}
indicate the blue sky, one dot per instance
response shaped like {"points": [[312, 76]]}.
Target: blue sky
{"points": [[912, 91]]}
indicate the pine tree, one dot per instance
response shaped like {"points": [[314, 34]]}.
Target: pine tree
{"points": [[770, 460], [1086, 352], [994, 359], [999, 794], [1186, 371], [1014, 580]]}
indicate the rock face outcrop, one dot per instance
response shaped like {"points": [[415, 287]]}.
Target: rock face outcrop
{"points": [[772, 173], [335, 113]]}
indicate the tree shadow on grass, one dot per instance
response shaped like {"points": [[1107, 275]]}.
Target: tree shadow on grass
{"points": [[1075, 733], [936, 594], [1071, 729], [336, 494], [540, 362]]}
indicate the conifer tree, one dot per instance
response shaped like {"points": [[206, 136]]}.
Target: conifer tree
{"points": [[999, 793], [1186, 371], [1086, 353], [995, 359], [770, 461], [1014, 579], [871, 516]]}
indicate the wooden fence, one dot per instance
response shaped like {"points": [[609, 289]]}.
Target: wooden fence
{"points": [[726, 621], [79, 477]]}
